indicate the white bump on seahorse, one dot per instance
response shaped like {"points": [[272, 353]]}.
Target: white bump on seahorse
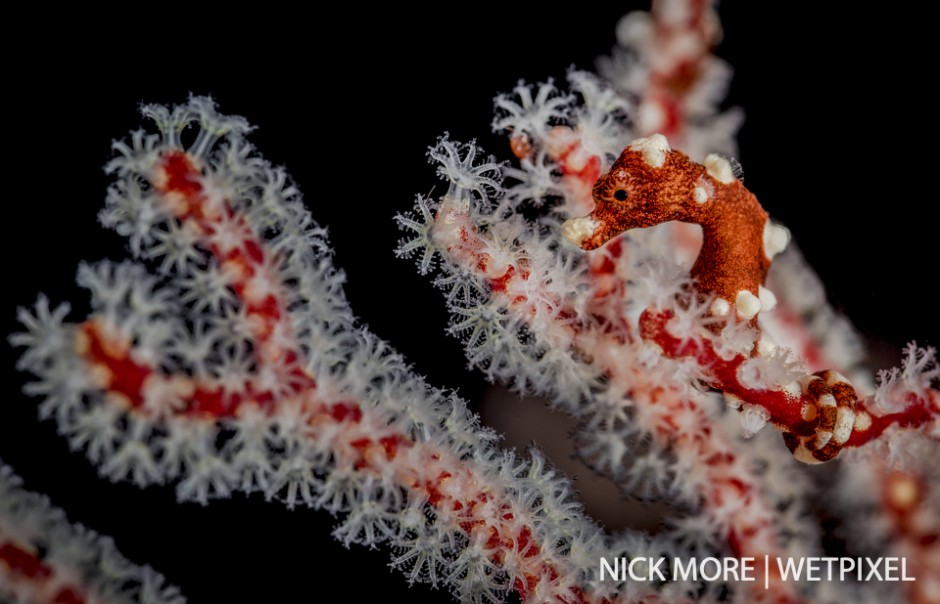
{"points": [[704, 189], [747, 305], [654, 149], [767, 298], [719, 168], [720, 307], [776, 239]]}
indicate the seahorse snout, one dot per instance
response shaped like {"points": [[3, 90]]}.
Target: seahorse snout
{"points": [[580, 230]]}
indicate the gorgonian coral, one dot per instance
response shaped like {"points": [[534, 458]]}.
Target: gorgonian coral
{"points": [[225, 357]]}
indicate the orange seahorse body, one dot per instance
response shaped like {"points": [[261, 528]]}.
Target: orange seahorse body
{"points": [[650, 184]]}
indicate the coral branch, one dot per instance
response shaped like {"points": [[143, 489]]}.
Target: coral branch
{"points": [[43, 558], [361, 445], [664, 60], [792, 409], [677, 420], [239, 367]]}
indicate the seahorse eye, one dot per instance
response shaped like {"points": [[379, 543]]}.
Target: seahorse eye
{"points": [[620, 195]]}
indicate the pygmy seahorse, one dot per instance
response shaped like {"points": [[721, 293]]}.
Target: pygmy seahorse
{"points": [[650, 184]]}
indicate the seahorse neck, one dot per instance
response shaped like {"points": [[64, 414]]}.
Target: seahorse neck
{"points": [[732, 227]]}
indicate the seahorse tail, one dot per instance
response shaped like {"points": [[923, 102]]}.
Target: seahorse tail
{"points": [[835, 401]]}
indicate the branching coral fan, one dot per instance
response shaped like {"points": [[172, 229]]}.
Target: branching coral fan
{"points": [[224, 357]]}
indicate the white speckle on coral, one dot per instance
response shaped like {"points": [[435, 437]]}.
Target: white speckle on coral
{"points": [[232, 270], [650, 116], [635, 29], [704, 189], [559, 140], [768, 301], [577, 159], [733, 400], [747, 305], [862, 421], [215, 198], [259, 287], [81, 342], [792, 389], [161, 394], [687, 44], [719, 168], [653, 148], [577, 230], [118, 399], [776, 239], [720, 307], [99, 375], [904, 492]]}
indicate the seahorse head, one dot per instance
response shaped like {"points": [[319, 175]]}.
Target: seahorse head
{"points": [[648, 184]]}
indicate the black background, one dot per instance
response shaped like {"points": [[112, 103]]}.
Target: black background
{"points": [[838, 145]]}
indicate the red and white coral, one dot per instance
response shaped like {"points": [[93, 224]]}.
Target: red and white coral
{"points": [[44, 558], [231, 360]]}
